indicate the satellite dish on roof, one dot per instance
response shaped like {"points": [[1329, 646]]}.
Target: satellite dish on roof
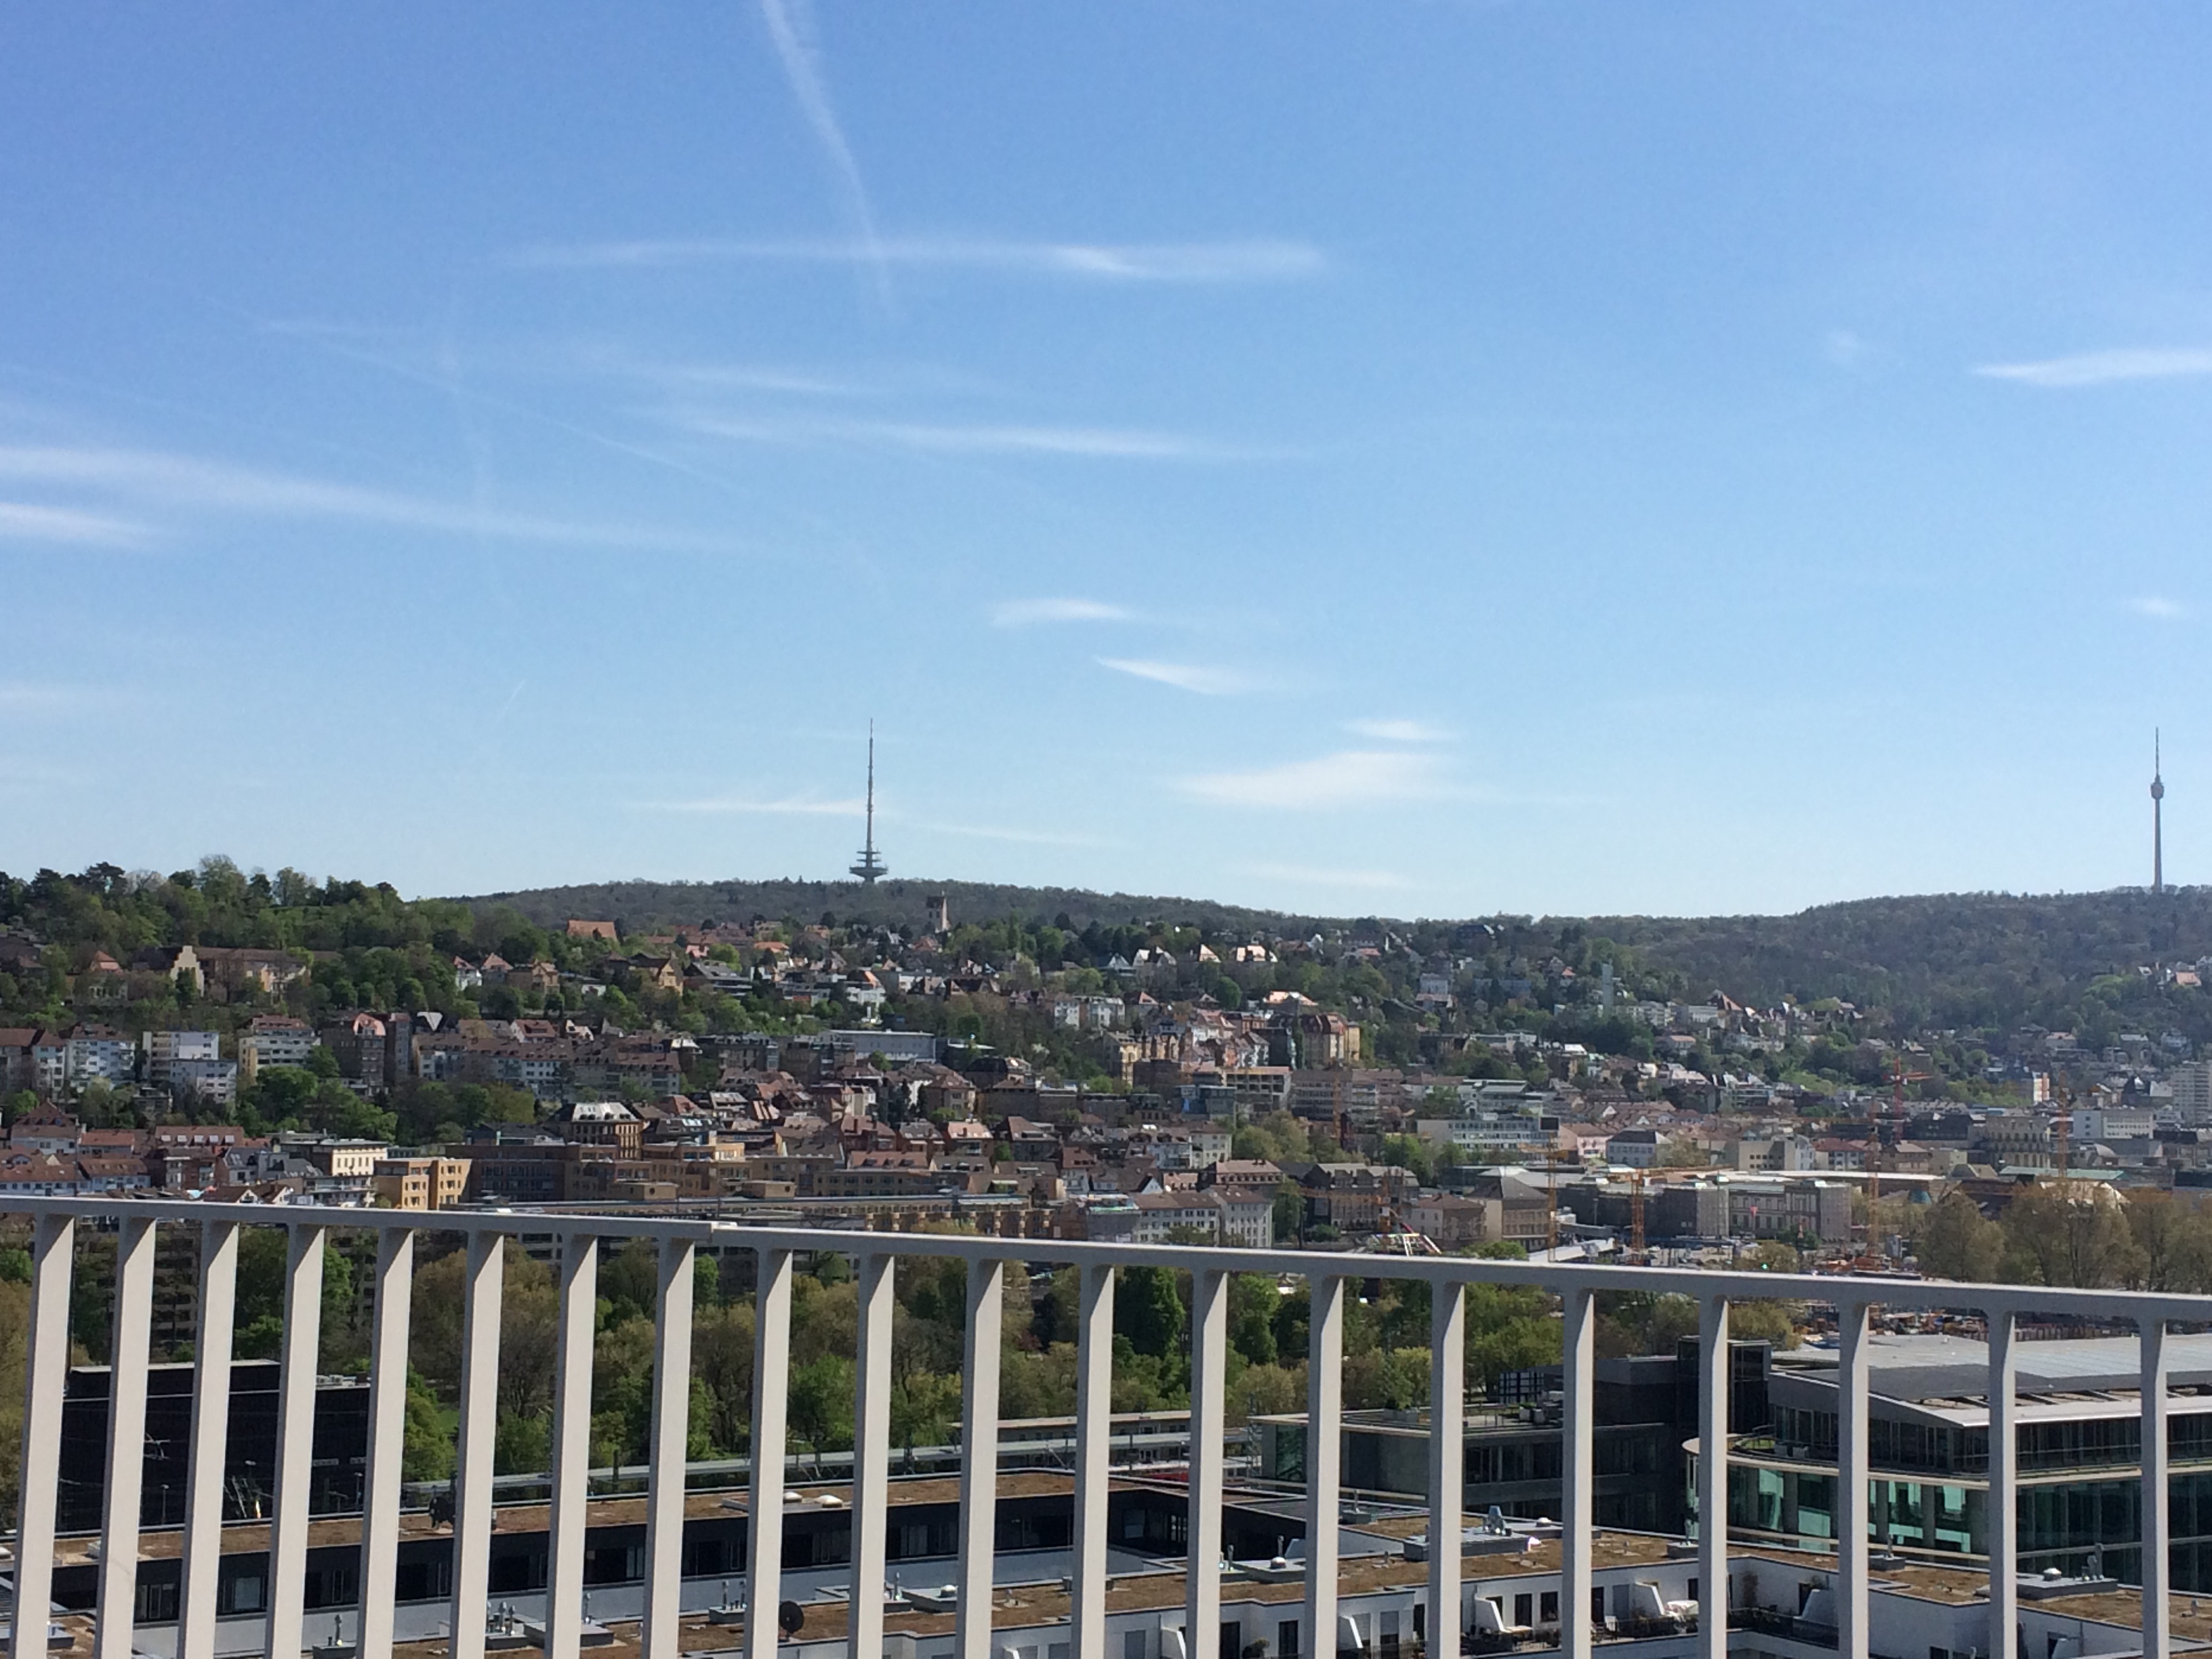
{"points": [[789, 1618]]}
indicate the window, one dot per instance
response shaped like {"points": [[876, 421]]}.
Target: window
{"points": [[1548, 1608], [1597, 1605], [1232, 1638], [156, 1602], [1286, 1639], [1133, 1645], [248, 1593], [1524, 1609]]}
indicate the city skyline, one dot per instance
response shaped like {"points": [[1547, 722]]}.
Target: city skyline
{"points": [[1456, 461]]}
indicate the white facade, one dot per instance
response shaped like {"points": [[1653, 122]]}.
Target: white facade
{"points": [[105, 1057]]}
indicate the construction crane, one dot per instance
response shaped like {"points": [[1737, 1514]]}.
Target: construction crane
{"points": [[1636, 1214], [1899, 1077], [2062, 1120], [1896, 1124]]}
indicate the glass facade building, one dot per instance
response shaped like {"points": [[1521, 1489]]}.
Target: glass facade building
{"points": [[2078, 1445]]}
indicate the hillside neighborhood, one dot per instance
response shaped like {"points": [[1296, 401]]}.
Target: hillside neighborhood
{"points": [[1147, 1084]]}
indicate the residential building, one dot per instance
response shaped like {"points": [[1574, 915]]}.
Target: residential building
{"points": [[1203, 1212], [419, 1182], [95, 1054], [2192, 1091], [601, 1123], [273, 1039]]}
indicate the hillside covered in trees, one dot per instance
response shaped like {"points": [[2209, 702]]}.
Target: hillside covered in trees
{"points": [[1966, 962]]}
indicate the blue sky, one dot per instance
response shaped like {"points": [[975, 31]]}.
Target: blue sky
{"points": [[1427, 458]]}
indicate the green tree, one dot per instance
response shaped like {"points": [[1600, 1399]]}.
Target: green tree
{"points": [[1762, 1322], [1954, 1240], [1252, 1299], [821, 1404], [1148, 1311], [428, 1447], [2068, 1233]]}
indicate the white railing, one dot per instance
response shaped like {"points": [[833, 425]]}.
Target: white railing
{"points": [[135, 1221]]}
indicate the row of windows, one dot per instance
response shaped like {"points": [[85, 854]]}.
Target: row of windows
{"points": [[1947, 1449]]}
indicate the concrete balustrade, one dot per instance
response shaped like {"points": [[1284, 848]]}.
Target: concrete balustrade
{"points": [[58, 1224]]}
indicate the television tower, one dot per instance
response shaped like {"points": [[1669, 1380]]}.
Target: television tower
{"points": [[2157, 819], [871, 866]]}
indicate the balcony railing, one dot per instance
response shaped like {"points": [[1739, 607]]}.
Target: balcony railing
{"points": [[136, 1221]]}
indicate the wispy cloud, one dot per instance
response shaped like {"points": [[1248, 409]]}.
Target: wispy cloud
{"points": [[32, 698], [1183, 676], [1307, 876], [1398, 731], [793, 806], [189, 482], [1002, 832], [2158, 609], [1023, 613], [1255, 261], [1352, 777], [1095, 443], [2102, 367], [750, 377], [29, 521], [790, 29]]}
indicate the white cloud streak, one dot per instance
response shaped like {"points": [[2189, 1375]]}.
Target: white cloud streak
{"points": [[999, 832], [1352, 777], [1197, 263], [2158, 610], [2104, 367], [793, 806], [790, 29], [1398, 731], [1184, 677], [30, 698], [1025, 613], [188, 482], [30, 521], [1087, 443]]}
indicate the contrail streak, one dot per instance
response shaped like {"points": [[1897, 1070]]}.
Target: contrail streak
{"points": [[802, 68]]}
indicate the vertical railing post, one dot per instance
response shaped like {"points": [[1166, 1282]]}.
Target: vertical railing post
{"points": [[201, 1568], [47, 1367], [295, 1439], [2001, 1519], [672, 1440], [2157, 1635], [872, 1450], [1324, 1460], [1578, 1468], [387, 1440], [129, 1352], [979, 1458], [1446, 1461], [572, 1447], [482, 1288], [1209, 1363], [1712, 1478], [1851, 1480], [1094, 1423], [771, 1401]]}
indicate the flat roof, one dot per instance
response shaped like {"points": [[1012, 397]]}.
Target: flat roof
{"points": [[1948, 1376]]}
